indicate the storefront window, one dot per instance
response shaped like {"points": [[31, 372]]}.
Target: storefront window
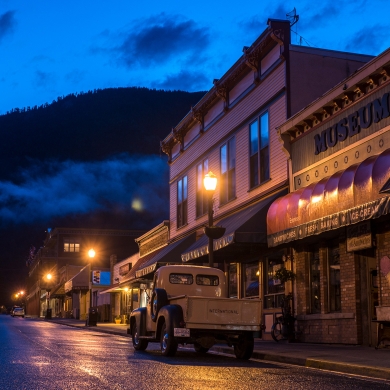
{"points": [[274, 288], [233, 280], [334, 279], [251, 280], [315, 291]]}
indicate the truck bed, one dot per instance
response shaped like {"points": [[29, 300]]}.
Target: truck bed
{"points": [[220, 313]]}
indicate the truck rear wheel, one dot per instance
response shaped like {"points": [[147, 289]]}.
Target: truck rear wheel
{"points": [[167, 342], [244, 348], [138, 344]]}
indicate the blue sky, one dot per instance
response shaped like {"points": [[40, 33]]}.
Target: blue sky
{"points": [[50, 49]]}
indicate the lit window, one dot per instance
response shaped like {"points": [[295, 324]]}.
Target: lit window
{"points": [[71, 245], [228, 171], [182, 194], [201, 196], [259, 150]]}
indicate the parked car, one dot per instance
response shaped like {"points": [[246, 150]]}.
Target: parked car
{"points": [[18, 312]]}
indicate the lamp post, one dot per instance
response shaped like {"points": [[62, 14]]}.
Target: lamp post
{"points": [[212, 232], [48, 309], [91, 255]]}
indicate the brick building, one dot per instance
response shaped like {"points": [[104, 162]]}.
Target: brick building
{"points": [[64, 254], [335, 221]]}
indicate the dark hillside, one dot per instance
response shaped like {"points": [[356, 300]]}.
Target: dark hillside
{"points": [[91, 126]]}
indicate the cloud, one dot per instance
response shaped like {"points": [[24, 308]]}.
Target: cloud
{"points": [[369, 40], [7, 23], [47, 190], [184, 81], [160, 38]]}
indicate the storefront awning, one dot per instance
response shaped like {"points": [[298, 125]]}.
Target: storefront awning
{"points": [[58, 291], [349, 196], [170, 254], [79, 281], [247, 226]]}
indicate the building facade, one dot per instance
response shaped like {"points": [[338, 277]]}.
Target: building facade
{"points": [[232, 132], [335, 221], [63, 255]]}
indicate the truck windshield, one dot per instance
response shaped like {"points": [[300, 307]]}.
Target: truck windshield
{"points": [[181, 278], [207, 280]]}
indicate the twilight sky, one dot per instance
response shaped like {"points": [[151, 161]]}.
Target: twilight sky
{"points": [[50, 49]]}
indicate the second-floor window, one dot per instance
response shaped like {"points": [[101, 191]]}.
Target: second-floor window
{"points": [[71, 245], [259, 150], [182, 194], [228, 171], [201, 196]]}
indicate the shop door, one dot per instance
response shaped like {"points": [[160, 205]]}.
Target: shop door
{"points": [[369, 298], [373, 300]]}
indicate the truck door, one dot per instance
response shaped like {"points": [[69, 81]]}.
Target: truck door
{"points": [[150, 325]]}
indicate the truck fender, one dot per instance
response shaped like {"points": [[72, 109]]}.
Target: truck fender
{"points": [[138, 317], [172, 315], [159, 299]]}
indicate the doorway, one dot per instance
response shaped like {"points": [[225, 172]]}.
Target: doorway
{"points": [[369, 297]]}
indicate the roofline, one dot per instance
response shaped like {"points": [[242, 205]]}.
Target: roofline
{"points": [[366, 70]]}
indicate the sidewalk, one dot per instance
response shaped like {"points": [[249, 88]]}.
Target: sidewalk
{"points": [[347, 359]]}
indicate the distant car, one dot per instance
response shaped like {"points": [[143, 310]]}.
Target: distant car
{"points": [[18, 312]]}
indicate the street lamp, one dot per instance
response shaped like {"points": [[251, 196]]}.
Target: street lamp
{"points": [[91, 255], [212, 232], [49, 276]]}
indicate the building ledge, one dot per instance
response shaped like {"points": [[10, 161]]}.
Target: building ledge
{"points": [[327, 316]]}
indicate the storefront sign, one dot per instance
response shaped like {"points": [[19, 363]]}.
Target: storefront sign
{"points": [[352, 216], [363, 118], [359, 236]]}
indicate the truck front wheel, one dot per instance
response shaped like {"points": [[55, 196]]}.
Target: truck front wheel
{"points": [[167, 342], [138, 344], [244, 348]]}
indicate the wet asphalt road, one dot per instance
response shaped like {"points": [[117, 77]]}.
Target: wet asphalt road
{"points": [[36, 354]]}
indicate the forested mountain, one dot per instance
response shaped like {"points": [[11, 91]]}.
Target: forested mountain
{"points": [[80, 162], [92, 125]]}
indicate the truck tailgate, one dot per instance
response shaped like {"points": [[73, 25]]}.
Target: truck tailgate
{"points": [[228, 313]]}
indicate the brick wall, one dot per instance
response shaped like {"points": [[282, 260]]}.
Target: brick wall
{"points": [[329, 327]]}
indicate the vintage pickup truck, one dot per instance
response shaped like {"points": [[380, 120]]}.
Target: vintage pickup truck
{"points": [[190, 305]]}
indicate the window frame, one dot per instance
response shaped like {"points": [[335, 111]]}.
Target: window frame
{"points": [[215, 277], [227, 187], [259, 150], [182, 202], [334, 299], [72, 244], [201, 206], [314, 254], [178, 275]]}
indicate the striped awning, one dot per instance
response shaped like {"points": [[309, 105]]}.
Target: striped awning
{"points": [[349, 196]]}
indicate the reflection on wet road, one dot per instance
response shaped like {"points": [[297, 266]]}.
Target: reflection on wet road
{"points": [[38, 354]]}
